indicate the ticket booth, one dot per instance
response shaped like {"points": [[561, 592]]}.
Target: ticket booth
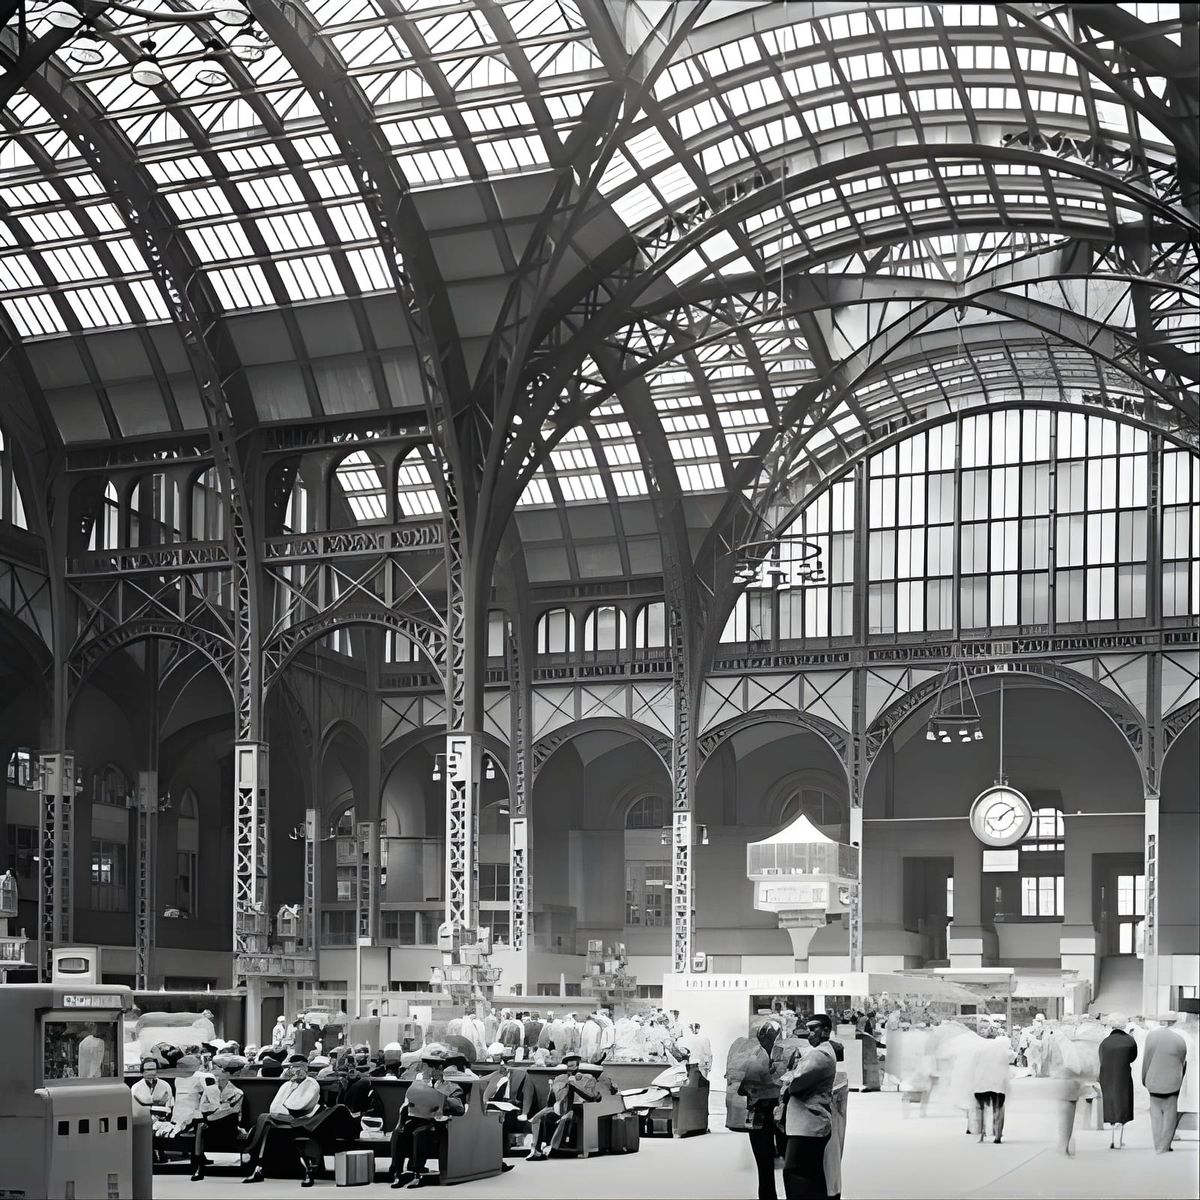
{"points": [[65, 1113]]}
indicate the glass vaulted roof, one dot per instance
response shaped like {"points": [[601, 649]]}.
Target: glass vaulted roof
{"points": [[797, 225]]}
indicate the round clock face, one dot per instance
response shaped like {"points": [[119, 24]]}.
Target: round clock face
{"points": [[1001, 816]]}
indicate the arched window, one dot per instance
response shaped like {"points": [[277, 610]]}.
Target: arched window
{"points": [[187, 854], [344, 825], [415, 493], [646, 812], [153, 511], [603, 629], [1046, 831], [650, 626], [106, 532], [497, 634], [208, 511], [360, 479], [751, 619], [1041, 862], [110, 786], [556, 632], [12, 509], [400, 648], [822, 808], [296, 517]]}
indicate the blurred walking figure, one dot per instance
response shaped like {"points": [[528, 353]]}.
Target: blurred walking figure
{"points": [[1066, 1069], [990, 1079], [1163, 1068], [1117, 1054]]}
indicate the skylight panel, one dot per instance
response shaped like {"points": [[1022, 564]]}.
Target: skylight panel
{"points": [[220, 243], [290, 231], [370, 269], [17, 273], [537, 491], [455, 31], [312, 278], [241, 287], [98, 307], [34, 316], [79, 262]]}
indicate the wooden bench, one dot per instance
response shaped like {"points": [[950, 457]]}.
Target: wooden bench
{"points": [[472, 1148]]}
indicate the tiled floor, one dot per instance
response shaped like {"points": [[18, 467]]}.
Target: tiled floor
{"points": [[887, 1157]]}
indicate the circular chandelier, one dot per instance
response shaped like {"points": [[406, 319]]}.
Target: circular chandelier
{"points": [[789, 559], [955, 710], [234, 35]]}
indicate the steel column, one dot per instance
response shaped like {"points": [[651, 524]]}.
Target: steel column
{"points": [[683, 779], [463, 756], [518, 786], [251, 913], [56, 852], [147, 861]]}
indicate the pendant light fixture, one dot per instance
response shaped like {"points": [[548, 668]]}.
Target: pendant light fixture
{"points": [[955, 711]]}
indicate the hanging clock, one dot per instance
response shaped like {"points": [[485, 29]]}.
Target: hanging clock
{"points": [[1000, 816]]}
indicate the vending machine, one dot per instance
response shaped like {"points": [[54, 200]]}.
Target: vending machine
{"points": [[65, 1111]]}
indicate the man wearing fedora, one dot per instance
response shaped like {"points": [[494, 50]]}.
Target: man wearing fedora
{"points": [[1164, 1063], [430, 1102]]}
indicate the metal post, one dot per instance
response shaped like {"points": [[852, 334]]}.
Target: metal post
{"points": [[682, 840], [147, 857], [250, 902], [56, 846], [462, 773], [518, 828]]}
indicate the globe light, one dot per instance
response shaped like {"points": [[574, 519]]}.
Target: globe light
{"points": [[225, 12], [211, 77], [85, 51], [146, 70], [63, 15]]}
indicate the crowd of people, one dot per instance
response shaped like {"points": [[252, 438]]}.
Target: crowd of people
{"points": [[326, 1100], [787, 1091]]}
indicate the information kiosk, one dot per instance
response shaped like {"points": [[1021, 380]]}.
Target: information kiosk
{"points": [[65, 1113]]}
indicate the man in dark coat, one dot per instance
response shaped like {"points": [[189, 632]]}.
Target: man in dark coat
{"points": [[508, 1085], [1117, 1054], [415, 1138]]}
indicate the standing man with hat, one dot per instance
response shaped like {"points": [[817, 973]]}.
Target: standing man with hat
{"points": [[429, 1103], [1163, 1067]]}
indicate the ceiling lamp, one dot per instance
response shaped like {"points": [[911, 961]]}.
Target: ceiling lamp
{"points": [[790, 560], [225, 12], [210, 73], [248, 46], [63, 15], [146, 71], [85, 50], [955, 711]]}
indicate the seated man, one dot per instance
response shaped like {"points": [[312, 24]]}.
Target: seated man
{"points": [[293, 1110], [506, 1091], [151, 1092], [220, 1126], [196, 1096], [580, 1083], [430, 1102]]}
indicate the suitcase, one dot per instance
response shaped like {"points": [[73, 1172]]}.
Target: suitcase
{"points": [[353, 1167], [624, 1136]]}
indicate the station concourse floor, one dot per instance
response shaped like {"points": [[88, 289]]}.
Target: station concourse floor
{"points": [[887, 1156]]}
